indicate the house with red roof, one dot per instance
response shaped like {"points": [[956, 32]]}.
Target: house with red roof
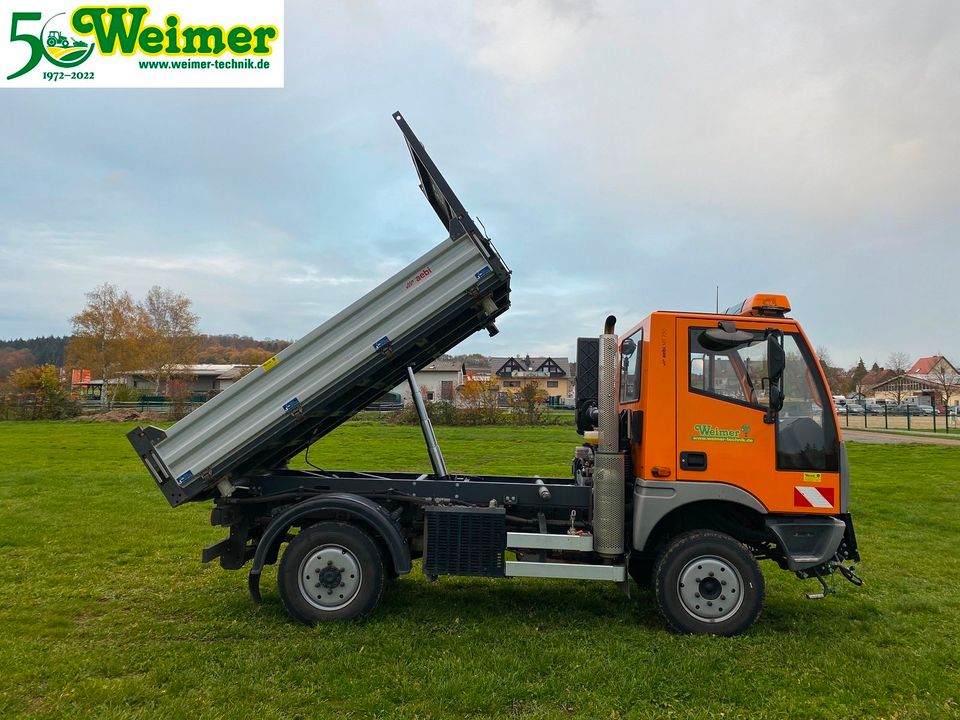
{"points": [[923, 383]]}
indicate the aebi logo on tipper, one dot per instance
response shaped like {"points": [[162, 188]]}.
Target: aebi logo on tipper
{"points": [[214, 43]]}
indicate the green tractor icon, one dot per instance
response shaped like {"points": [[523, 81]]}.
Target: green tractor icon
{"points": [[58, 38]]}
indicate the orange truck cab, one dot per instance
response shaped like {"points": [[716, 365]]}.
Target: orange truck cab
{"points": [[727, 426]]}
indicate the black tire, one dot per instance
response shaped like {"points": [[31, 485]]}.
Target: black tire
{"points": [[708, 583], [331, 571]]}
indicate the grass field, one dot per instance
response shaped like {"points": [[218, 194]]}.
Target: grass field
{"points": [[105, 610]]}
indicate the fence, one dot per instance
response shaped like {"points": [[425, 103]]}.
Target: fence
{"points": [[33, 406], [166, 406], [911, 418]]}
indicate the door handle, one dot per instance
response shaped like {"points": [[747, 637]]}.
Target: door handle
{"points": [[695, 461]]}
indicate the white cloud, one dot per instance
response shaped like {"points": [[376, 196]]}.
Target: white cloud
{"points": [[523, 41]]}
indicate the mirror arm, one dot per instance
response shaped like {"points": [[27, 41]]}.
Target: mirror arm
{"points": [[770, 416]]}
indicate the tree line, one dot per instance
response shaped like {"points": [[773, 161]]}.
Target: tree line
{"points": [[215, 349], [859, 380], [22, 352], [114, 334]]}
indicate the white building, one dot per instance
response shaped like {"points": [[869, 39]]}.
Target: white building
{"points": [[199, 379], [437, 381]]}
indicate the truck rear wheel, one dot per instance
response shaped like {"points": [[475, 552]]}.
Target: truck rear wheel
{"points": [[331, 571], [708, 583]]}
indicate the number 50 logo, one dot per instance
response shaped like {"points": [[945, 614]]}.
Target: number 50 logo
{"points": [[54, 42]]}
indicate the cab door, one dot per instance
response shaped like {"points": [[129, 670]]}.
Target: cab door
{"points": [[722, 403]]}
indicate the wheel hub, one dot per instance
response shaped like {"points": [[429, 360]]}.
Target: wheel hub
{"points": [[710, 589], [330, 577]]}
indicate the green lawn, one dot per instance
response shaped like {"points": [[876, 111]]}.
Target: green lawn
{"points": [[106, 611]]}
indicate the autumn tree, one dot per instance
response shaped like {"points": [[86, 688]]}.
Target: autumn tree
{"points": [[107, 336], [898, 363], [169, 333], [253, 356], [526, 403], [224, 355], [43, 382], [479, 400], [11, 359]]}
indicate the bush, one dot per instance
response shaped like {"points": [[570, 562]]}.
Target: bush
{"points": [[443, 413], [127, 393], [36, 394], [485, 416]]}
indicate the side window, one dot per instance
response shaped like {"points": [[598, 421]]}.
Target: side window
{"points": [[730, 373], [630, 349], [806, 438]]}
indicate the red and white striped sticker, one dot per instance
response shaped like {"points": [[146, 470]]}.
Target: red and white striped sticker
{"points": [[806, 496]]}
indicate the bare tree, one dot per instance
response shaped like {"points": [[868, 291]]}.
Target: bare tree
{"points": [[170, 333], [946, 380], [836, 377], [106, 336], [899, 363]]}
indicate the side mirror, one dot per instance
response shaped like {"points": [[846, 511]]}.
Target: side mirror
{"points": [[776, 360], [628, 347], [724, 337], [776, 398], [776, 364]]}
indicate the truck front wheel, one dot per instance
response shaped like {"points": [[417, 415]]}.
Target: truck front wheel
{"points": [[708, 583], [331, 571]]}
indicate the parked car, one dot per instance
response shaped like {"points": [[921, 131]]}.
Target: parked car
{"points": [[874, 408], [850, 409], [919, 409]]}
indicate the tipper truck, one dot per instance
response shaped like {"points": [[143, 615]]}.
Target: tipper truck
{"points": [[709, 443]]}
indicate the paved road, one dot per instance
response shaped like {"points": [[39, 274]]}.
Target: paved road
{"points": [[877, 438]]}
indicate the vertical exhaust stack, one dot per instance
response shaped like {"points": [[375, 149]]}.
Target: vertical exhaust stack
{"points": [[608, 476]]}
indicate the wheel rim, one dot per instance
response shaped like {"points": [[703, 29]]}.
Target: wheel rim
{"points": [[330, 577], [710, 589]]}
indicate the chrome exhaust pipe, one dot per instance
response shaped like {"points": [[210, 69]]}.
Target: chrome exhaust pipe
{"points": [[608, 477]]}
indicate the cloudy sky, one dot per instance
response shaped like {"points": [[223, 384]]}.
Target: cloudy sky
{"points": [[624, 156]]}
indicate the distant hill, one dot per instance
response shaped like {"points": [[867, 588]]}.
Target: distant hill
{"points": [[237, 349], [242, 342], [470, 360], [43, 350]]}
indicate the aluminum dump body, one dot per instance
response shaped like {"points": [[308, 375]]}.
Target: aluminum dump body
{"points": [[323, 379]]}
